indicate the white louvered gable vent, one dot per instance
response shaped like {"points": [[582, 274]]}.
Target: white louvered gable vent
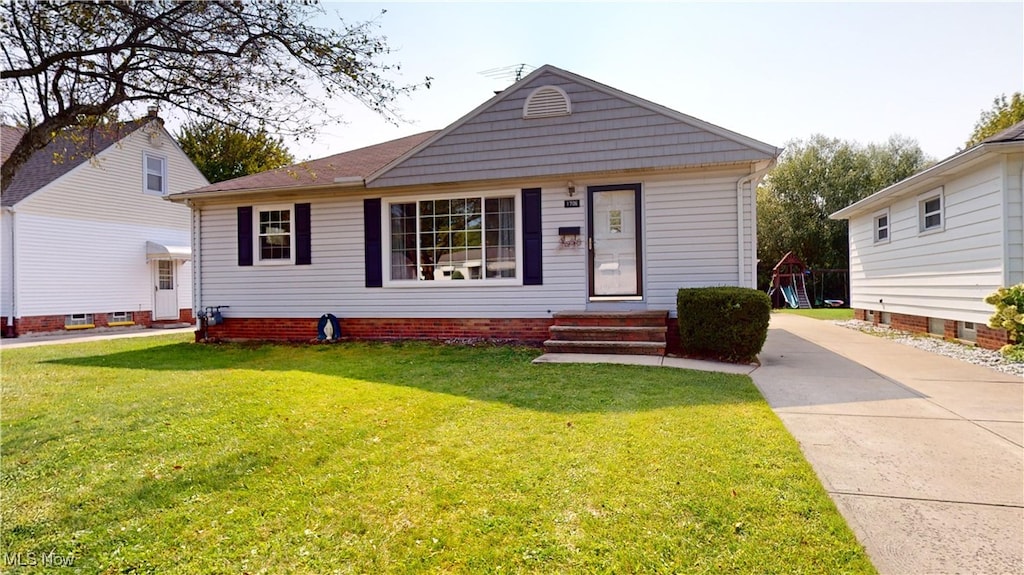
{"points": [[547, 101]]}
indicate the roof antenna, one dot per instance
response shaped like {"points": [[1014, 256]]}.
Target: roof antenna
{"points": [[514, 72]]}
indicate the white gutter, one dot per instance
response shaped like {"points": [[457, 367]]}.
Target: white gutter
{"points": [[922, 178], [752, 179], [185, 196]]}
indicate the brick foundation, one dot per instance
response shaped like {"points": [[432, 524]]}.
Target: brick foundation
{"points": [[988, 338], [525, 331], [911, 323], [38, 324], [992, 338]]}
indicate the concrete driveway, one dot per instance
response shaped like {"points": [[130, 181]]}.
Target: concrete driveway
{"points": [[922, 454]]}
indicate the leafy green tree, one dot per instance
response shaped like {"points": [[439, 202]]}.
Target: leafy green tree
{"points": [[246, 64], [223, 153], [1003, 114], [815, 178]]}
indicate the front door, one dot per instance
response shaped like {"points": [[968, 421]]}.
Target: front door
{"points": [[614, 242], [165, 294]]}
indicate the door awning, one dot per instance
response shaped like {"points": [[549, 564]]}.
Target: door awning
{"points": [[158, 251]]}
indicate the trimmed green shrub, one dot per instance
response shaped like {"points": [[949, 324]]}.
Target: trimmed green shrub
{"points": [[727, 323], [1009, 304]]}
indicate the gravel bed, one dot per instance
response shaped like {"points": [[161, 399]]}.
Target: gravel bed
{"points": [[968, 353]]}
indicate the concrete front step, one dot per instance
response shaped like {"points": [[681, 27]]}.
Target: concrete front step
{"points": [[607, 333], [610, 347], [611, 318]]}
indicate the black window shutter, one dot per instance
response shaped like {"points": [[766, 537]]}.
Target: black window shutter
{"points": [[372, 243], [245, 235], [533, 273], [303, 236]]}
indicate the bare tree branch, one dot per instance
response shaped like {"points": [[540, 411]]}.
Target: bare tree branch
{"points": [[249, 65]]}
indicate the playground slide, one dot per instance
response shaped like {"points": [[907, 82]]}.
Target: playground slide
{"points": [[790, 294]]}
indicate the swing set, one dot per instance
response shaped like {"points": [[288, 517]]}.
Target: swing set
{"points": [[789, 287]]}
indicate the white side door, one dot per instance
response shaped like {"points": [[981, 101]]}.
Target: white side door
{"points": [[165, 293]]}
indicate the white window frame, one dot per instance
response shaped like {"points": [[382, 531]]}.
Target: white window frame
{"points": [[876, 229], [146, 156], [385, 223], [257, 258], [120, 317], [79, 320], [922, 215]]}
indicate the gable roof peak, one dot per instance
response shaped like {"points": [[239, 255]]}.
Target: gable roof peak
{"points": [[73, 146]]}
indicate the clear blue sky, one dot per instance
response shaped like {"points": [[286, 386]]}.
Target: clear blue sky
{"points": [[770, 71]]}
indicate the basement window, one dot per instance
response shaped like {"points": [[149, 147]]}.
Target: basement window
{"points": [[78, 321], [967, 330], [120, 318]]}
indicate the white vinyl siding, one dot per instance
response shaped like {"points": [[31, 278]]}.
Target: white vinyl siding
{"points": [[691, 241], [943, 275], [81, 241], [75, 265], [1013, 176], [6, 264], [691, 235]]}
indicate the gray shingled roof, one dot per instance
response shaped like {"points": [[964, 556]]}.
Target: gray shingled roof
{"points": [[9, 136], [358, 163], [1014, 133], [63, 154]]}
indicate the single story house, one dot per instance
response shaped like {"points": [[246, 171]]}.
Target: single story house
{"points": [[87, 239], [926, 251], [559, 194]]}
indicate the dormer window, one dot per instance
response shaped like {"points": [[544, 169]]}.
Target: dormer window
{"points": [[547, 102]]}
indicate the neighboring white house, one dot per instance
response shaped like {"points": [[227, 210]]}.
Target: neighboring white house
{"points": [[926, 251], [88, 239], [557, 194]]}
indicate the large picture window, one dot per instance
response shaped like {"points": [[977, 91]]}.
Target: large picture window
{"points": [[466, 238]]}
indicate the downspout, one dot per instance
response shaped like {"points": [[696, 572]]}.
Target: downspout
{"points": [[9, 328], [753, 178], [197, 277]]}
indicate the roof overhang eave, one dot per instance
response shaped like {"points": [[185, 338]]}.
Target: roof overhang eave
{"points": [[342, 183], [923, 178]]}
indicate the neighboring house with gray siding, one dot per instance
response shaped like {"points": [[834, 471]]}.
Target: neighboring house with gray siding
{"points": [[926, 251], [558, 194], [88, 239]]}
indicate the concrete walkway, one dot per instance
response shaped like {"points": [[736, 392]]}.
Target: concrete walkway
{"points": [[922, 454], [91, 335]]}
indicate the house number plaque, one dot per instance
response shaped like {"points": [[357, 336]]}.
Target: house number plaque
{"points": [[572, 203]]}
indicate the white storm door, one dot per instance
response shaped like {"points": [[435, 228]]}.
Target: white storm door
{"points": [[614, 241], [165, 294]]}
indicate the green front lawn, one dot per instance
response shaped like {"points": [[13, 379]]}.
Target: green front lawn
{"points": [[834, 313], [155, 455]]}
